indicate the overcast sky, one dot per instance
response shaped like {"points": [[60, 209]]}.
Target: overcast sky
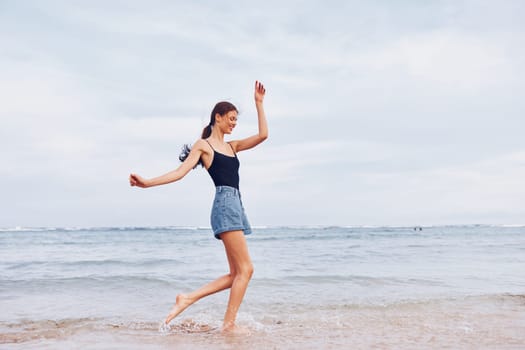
{"points": [[380, 112]]}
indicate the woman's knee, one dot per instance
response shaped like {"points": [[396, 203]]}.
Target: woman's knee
{"points": [[247, 270], [237, 252]]}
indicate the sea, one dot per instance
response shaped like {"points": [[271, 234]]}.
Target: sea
{"points": [[430, 287]]}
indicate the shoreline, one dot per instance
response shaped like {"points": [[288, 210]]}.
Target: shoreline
{"points": [[483, 321]]}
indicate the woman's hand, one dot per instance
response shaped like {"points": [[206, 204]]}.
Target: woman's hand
{"points": [[259, 92], [137, 180]]}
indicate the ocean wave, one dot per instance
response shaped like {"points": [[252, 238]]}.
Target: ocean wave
{"points": [[103, 229], [26, 229], [292, 228], [30, 330], [91, 263], [410, 303], [81, 281], [26, 330], [354, 279]]}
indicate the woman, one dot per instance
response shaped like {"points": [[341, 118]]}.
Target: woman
{"points": [[228, 219]]}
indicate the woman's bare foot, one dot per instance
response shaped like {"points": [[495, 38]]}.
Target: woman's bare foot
{"points": [[232, 328], [181, 303]]}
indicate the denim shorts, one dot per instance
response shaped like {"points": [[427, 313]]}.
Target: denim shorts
{"points": [[227, 213]]}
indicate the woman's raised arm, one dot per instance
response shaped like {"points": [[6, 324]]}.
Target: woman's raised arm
{"points": [[252, 141]]}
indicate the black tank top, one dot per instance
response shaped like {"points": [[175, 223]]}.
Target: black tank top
{"points": [[224, 170]]}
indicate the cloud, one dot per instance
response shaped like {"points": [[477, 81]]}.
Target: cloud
{"points": [[463, 193], [379, 113], [448, 58]]}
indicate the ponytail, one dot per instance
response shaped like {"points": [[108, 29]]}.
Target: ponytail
{"points": [[220, 108], [185, 152], [206, 132]]}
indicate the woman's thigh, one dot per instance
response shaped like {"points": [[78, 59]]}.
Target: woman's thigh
{"points": [[236, 249]]}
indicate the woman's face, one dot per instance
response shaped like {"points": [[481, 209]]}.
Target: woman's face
{"points": [[227, 122]]}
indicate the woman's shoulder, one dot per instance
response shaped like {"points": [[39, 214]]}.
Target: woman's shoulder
{"points": [[201, 144]]}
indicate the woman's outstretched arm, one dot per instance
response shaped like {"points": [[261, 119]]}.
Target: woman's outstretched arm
{"points": [[252, 141], [174, 175]]}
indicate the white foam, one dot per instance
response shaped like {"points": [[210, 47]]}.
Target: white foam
{"points": [[164, 328]]}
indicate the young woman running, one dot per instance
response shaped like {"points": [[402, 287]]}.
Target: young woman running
{"points": [[228, 219]]}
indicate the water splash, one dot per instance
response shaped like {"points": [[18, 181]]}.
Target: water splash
{"points": [[164, 328]]}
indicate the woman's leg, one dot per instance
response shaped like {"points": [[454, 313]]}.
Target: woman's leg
{"points": [[185, 300], [241, 270], [241, 264]]}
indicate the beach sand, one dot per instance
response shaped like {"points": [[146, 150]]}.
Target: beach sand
{"points": [[484, 322]]}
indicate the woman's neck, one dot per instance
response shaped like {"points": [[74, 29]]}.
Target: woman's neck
{"points": [[217, 134]]}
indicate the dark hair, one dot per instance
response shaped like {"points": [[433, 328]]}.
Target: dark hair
{"points": [[220, 108]]}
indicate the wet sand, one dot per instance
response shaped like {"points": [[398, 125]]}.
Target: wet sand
{"points": [[481, 322]]}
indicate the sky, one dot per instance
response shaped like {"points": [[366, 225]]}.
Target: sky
{"points": [[394, 113]]}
